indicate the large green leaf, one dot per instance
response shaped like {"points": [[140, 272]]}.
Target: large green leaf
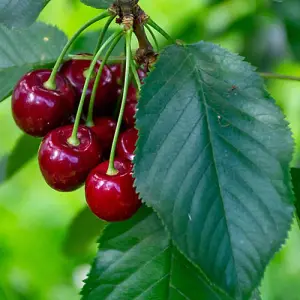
{"points": [[24, 150], [213, 160], [98, 3], [20, 12], [83, 231], [136, 260], [23, 50], [296, 183]]}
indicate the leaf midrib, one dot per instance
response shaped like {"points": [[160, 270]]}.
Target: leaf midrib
{"points": [[193, 65]]}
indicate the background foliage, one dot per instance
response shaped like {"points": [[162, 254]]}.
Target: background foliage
{"points": [[38, 260]]}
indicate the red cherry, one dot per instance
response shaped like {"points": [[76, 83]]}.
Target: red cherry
{"points": [[36, 109], [117, 71], [112, 198], [71, 120], [132, 91], [132, 95], [75, 71], [142, 74], [65, 167], [126, 144], [105, 128], [129, 114]]}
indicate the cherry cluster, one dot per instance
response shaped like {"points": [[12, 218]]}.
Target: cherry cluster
{"points": [[66, 165]]}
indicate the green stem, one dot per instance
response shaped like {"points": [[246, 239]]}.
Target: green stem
{"points": [[111, 168], [112, 59], [73, 140], [135, 75], [160, 30], [279, 76], [50, 83], [153, 36], [103, 32], [89, 121]]}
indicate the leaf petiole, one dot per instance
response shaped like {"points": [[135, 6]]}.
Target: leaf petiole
{"points": [[279, 76], [160, 30], [153, 36]]}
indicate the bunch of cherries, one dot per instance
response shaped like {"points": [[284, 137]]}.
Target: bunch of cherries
{"points": [[73, 154]]}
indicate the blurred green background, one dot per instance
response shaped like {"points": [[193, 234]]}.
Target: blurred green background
{"points": [[37, 259]]}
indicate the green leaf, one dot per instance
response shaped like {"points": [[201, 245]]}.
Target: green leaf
{"points": [[83, 231], [3, 165], [20, 13], [98, 3], [212, 159], [136, 260], [23, 50], [24, 150], [296, 183]]}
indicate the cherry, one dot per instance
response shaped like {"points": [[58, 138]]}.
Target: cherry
{"points": [[129, 113], [126, 144], [132, 91], [132, 95], [105, 128], [71, 120], [76, 70], [65, 167], [36, 109], [117, 71], [112, 198]]}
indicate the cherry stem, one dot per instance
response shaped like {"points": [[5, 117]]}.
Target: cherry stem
{"points": [[111, 59], [279, 76], [51, 82], [89, 121], [160, 30], [73, 140], [103, 32], [153, 36], [111, 167], [135, 75]]}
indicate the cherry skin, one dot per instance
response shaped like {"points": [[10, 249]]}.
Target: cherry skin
{"points": [[65, 167], [132, 91], [104, 128], [129, 113], [38, 110], [112, 198], [117, 72], [126, 144], [76, 70]]}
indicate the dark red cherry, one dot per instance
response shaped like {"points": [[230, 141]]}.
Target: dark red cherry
{"points": [[126, 144], [36, 109], [132, 91], [132, 95], [65, 167], [129, 114], [76, 71], [112, 198], [105, 128], [71, 120], [142, 74], [117, 72]]}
